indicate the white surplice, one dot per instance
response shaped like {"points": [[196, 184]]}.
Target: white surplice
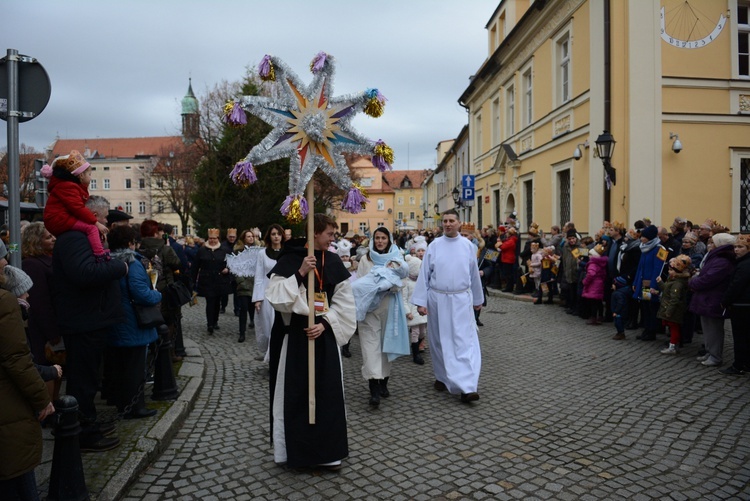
{"points": [[449, 286], [264, 317]]}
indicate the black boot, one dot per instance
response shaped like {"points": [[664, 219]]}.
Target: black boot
{"points": [[384, 388], [416, 357], [374, 392], [345, 350], [242, 338]]}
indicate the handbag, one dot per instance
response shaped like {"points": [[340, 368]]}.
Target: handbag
{"points": [[177, 294], [146, 316]]}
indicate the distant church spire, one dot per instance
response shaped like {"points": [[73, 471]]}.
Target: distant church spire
{"points": [[190, 115]]}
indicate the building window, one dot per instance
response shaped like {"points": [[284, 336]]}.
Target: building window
{"points": [[400, 200], [743, 39], [528, 110], [563, 68], [141, 184], [478, 134], [412, 200], [563, 196], [92, 185], [366, 181], [363, 227], [105, 168], [127, 167], [128, 184], [106, 184], [496, 121], [528, 194], [411, 216], [129, 207], [510, 115], [400, 216], [381, 203], [159, 206], [141, 207], [160, 183]]}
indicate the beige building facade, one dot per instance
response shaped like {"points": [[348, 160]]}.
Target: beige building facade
{"points": [[559, 73]]}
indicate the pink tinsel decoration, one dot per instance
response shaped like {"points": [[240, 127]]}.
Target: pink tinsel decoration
{"points": [[236, 116], [354, 200], [318, 62], [264, 68], [243, 174]]}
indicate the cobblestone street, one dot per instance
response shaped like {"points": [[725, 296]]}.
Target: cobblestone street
{"points": [[565, 413]]}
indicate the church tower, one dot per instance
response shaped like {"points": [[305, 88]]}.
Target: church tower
{"points": [[190, 116]]}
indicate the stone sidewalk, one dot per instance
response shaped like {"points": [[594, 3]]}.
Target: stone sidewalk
{"points": [[141, 440]]}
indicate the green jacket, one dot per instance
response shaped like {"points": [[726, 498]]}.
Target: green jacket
{"points": [[22, 393], [673, 302]]}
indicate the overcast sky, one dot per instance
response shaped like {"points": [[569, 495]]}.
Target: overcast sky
{"points": [[120, 69]]}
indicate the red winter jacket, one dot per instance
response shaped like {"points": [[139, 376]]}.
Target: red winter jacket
{"points": [[508, 250], [65, 206]]}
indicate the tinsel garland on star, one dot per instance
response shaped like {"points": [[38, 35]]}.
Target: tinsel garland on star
{"points": [[312, 129]]}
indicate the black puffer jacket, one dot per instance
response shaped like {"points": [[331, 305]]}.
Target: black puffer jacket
{"points": [[85, 292], [739, 286]]}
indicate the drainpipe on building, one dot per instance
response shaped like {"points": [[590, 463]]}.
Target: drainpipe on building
{"points": [[607, 94]]}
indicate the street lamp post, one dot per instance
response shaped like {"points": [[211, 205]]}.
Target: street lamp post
{"points": [[456, 197], [605, 147]]}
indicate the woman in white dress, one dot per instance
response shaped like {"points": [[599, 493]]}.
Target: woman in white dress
{"points": [[264, 312]]}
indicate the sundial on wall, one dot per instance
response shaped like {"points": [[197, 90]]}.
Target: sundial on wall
{"points": [[691, 25]]}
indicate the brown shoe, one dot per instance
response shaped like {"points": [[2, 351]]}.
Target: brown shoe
{"points": [[439, 386], [619, 336]]}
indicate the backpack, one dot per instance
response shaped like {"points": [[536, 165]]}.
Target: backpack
{"points": [[153, 261]]}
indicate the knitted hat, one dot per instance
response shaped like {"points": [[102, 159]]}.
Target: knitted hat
{"points": [[650, 232], [17, 282], [571, 233], [414, 265], [3, 250], [421, 244], [723, 239], [594, 253], [620, 282]]}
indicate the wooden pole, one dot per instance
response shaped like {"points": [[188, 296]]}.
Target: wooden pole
{"points": [[311, 304]]}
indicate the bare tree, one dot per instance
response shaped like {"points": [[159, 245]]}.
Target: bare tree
{"points": [[172, 181], [27, 155]]}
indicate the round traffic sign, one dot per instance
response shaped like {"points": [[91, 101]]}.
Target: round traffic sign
{"points": [[33, 86]]}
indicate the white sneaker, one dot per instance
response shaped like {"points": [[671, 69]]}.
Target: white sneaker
{"points": [[710, 363], [671, 350], [702, 358]]}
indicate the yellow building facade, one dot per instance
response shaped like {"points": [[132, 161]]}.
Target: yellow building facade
{"points": [[380, 209], [559, 73]]}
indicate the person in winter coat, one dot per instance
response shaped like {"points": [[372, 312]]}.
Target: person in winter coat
{"points": [[243, 295], [417, 323], [508, 261], [594, 283], [737, 300], [548, 275], [211, 277], [673, 304], [25, 402], [645, 286], [620, 302], [66, 207], [627, 265], [569, 271], [36, 247], [127, 343], [708, 288]]}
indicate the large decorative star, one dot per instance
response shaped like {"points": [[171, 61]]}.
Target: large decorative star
{"points": [[312, 129]]}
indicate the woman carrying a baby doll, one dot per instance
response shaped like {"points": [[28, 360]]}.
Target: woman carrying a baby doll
{"points": [[388, 316]]}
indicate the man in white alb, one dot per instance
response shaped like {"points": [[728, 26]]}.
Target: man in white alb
{"points": [[448, 288]]}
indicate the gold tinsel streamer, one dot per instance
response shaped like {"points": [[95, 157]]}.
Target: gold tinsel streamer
{"points": [[374, 108], [386, 152], [271, 77], [364, 194], [295, 212]]}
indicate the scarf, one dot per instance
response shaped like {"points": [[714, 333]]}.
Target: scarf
{"points": [[396, 335], [649, 246]]}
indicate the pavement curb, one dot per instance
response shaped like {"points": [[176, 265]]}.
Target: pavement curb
{"points": [[158, 438]]}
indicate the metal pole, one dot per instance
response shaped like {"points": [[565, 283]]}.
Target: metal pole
{"points": [[607, 95], [14, 190]]}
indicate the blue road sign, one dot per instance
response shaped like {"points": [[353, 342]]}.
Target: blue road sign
{"points": [[468, 194], [467, 181]]}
